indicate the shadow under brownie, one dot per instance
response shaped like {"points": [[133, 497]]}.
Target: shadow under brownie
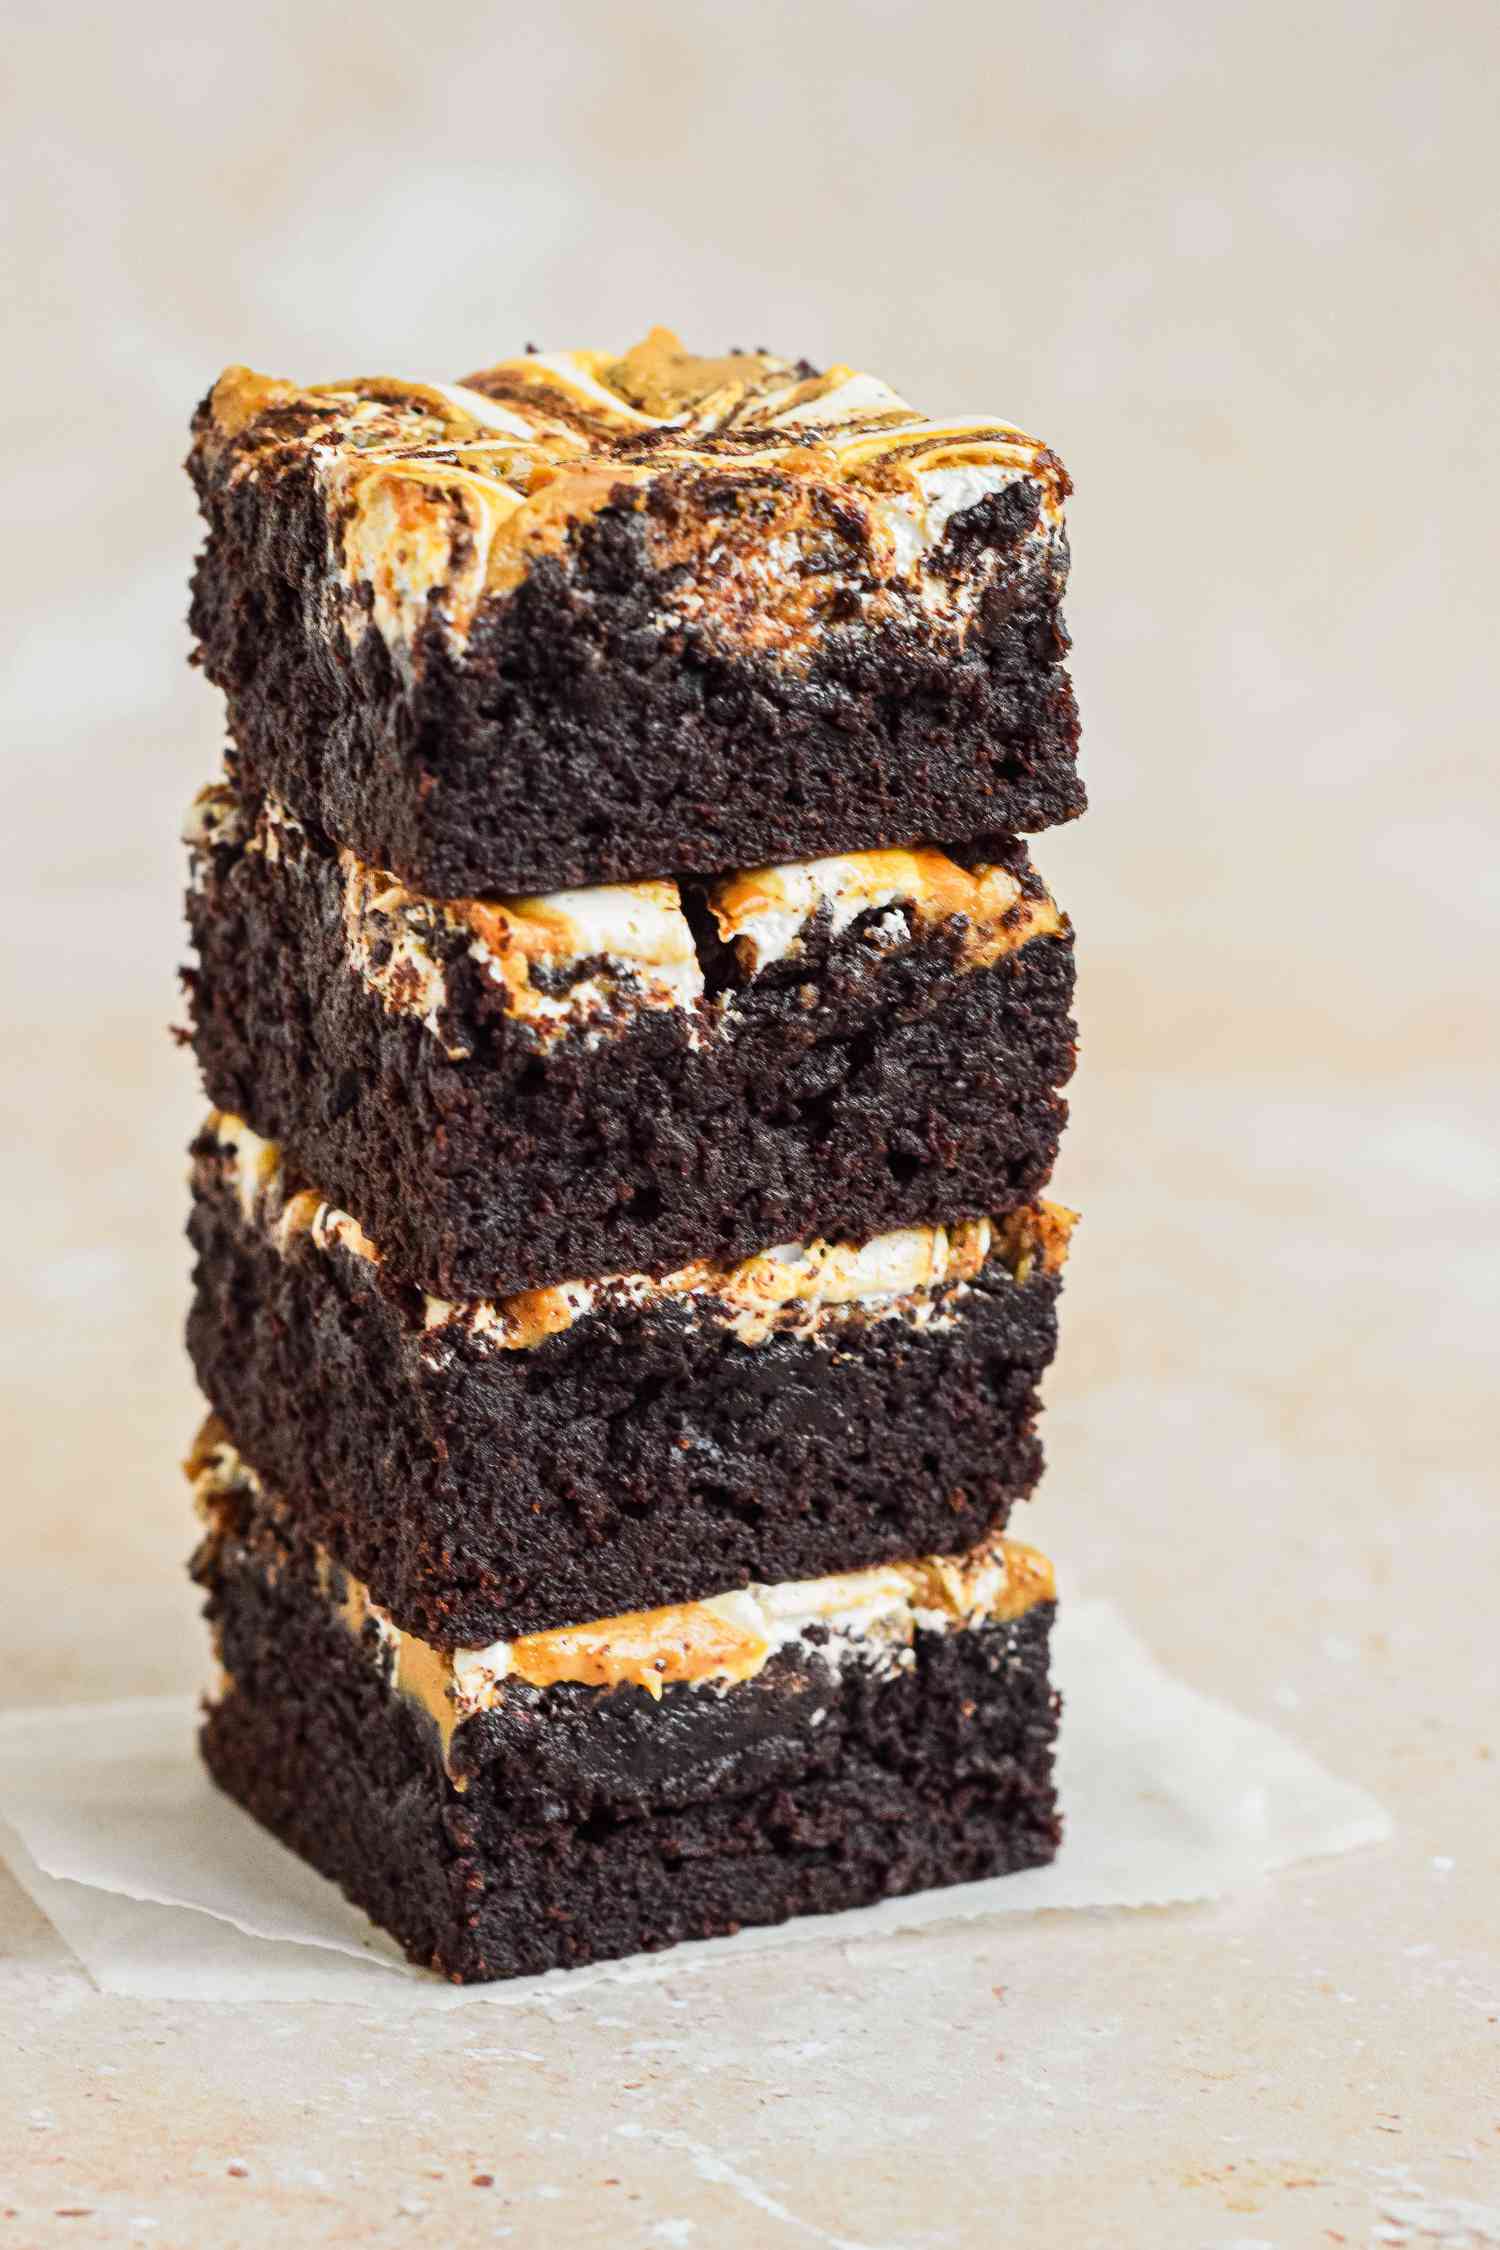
{"points": [[587, 618], [625, 1785], [491, 1467], [514, 1091]]}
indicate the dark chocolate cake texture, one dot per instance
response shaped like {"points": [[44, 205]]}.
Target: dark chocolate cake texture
{"points": [[637, 1036], [584, 618], [511, 1092], [496, 1466], [632, 1781]]}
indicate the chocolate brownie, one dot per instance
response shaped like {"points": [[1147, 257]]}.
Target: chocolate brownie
{"points": [[497, 1466], [511, 1092], [585, 619], [636, 1781]]}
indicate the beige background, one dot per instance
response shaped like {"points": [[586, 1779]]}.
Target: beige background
{"points": [[1239, 266]]}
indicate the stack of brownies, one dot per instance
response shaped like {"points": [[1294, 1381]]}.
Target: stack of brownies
{"points": [[636, 1034]]}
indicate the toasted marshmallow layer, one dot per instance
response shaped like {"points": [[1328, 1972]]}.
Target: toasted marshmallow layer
{"points": [[805, 1289], [586, 962], [440, 495], [770, 910], [864, 1616]]}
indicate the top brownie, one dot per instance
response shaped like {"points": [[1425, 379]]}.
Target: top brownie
{"points": [[581, 619]]}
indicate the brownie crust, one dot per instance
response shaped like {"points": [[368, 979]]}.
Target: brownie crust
{"points": [[849, 1090], [586, 731], [641, 1456], [592, 1824]]}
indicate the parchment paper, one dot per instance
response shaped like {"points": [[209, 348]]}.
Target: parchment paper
{"points": [[166, 1890]]}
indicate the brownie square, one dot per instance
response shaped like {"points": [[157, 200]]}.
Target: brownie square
{"points": [[585, 618], [630, 1783], [496, 1466], [514, 1092]]}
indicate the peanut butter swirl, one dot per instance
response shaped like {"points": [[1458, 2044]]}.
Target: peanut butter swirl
{"points": [[866, 1616], [807, 1289], [587, 962], [768, 911], [793, 489]]}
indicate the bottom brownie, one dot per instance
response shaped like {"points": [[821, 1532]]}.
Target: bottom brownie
{"points": [[625, 1785]]}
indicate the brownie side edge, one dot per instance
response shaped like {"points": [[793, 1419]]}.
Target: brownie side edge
{"points": [[595, 1824], [856, 1090], [575, 741], [640, 1457]]}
